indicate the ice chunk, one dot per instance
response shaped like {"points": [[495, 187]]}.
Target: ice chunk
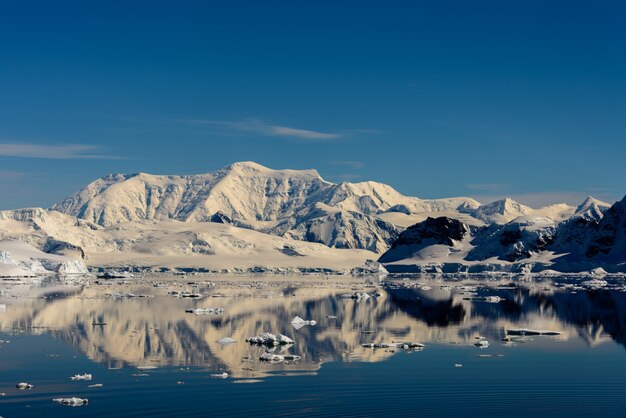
{"points": [[226, 340], [270, 339], [482, 343], [73, 401], [220, 375], [85, 376], [524, 331], [278, 358], [406, 346], [359, 296], [206, 311], [298, 322], [24, 385]]}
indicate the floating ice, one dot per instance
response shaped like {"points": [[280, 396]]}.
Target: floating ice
{"points": [[206, 311], [24, 385], [278, 358], [268, 338], [226, 340], [73, 401], [406, 346], [298, 322], [85, 376], [482, 343], [220, 375], [524, 331], [359, 296], [188, 295]]}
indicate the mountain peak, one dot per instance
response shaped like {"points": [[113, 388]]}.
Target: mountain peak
{"points": [[591, 208], [247, 165], [250, 167]]}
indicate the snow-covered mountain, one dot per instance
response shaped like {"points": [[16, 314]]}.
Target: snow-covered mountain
{"points": [[591, 237], [19, 259], [505, 210], [170, 245], [249, 216], [298, 204]]}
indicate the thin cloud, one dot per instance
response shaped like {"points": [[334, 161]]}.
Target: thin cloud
{"points": [[54, 152], [266, 129], [346, 177], [351, 164]]}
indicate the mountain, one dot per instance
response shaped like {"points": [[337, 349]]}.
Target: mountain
{"points": [[19, 259], [170, 245], [607, 243], [591, 237], [298, 204], [505, 210], [592, 209], [249, 217]]}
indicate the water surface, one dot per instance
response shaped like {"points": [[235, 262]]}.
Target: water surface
{"points": [[154, 359]]}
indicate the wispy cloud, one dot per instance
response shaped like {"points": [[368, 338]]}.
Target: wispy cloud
{"points": [[346, 177], [266, 129], [351, 164], [55, 152]]}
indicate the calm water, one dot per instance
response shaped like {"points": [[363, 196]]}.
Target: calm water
{"points": [[52, 336]]}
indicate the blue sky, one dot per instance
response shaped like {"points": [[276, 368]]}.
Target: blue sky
{"points": [[436, 98]]}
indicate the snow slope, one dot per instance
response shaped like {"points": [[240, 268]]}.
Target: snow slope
{"points": [[256, 197], [19, 259], [592, 237], [170, 244]]}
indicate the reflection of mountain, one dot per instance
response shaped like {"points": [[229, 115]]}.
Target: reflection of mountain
{"points": [[156, 331]]}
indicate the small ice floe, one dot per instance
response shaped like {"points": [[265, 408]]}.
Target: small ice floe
{"points": [[85, 376], [73, 401], [97, 385], [278, 358], [129, 296], [595, 283], [206, 311], [298, 322], [267, 338], [146, 367], [406, 346], [4, 341], [226, 341], [359, 296], [458, 365], [524, 332], [220, 375], [188, 295], [24, 385], [482, 343]]}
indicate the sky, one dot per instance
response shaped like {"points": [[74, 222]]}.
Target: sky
{"points": [[435, 98]]}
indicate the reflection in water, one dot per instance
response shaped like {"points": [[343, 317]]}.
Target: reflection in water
{"points": [[112, 328]]}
